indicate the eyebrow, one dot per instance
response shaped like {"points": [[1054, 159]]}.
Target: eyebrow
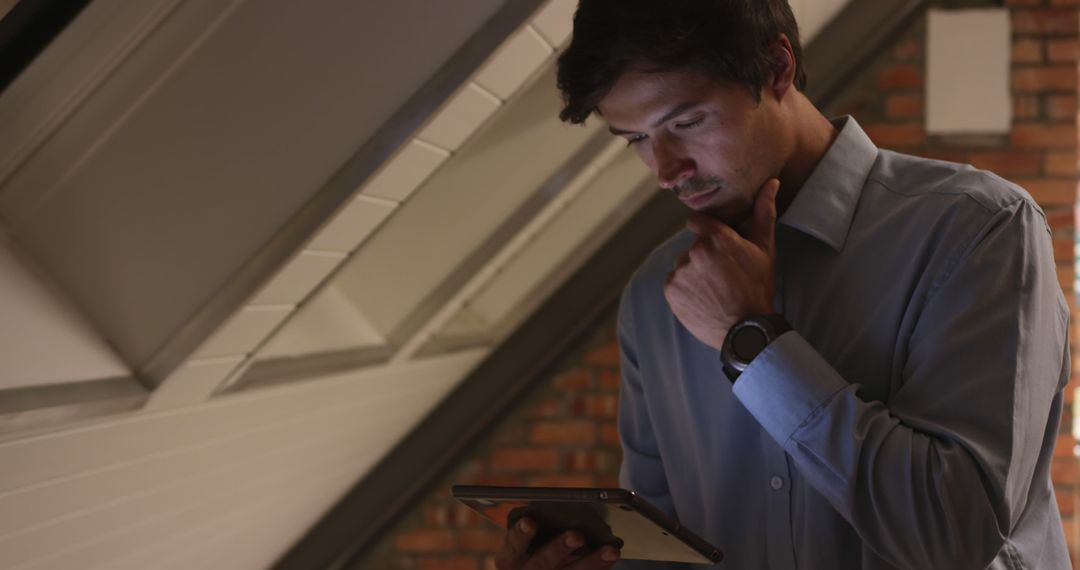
{"points": [[674, 112]]}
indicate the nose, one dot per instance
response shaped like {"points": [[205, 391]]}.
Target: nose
{"points": [[673, 167]]}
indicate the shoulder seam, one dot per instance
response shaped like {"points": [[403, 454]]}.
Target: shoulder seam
{"points": [[963, 193]]}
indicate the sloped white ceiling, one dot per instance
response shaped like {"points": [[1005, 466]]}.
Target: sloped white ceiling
{"points": [[201, 477]]}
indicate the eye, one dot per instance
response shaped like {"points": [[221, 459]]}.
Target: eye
{"points": [[688, 124], [634, 139]]}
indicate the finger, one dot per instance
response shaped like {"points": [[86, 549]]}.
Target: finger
{"points": [[516, 542], [598, 559], [554, 553], [680, 260], [763, 230]]}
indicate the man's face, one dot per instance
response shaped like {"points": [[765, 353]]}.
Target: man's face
{"points": [[710, 143]]}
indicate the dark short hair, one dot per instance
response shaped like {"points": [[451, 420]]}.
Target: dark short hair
{"points": [[727, 40]]}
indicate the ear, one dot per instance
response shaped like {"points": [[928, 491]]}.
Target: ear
{"points": [[782, 77]]}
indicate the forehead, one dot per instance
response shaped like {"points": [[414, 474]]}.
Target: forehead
{"points": [[643, 95]]}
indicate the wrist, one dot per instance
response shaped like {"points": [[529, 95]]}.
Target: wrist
{"points": [[748, 338]]}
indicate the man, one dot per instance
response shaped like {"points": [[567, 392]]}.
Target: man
{"points": [[852, 358]]}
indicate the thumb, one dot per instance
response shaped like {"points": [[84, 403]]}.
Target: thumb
{"points": [[763, 230]]}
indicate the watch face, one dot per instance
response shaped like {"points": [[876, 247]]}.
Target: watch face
{"points": [[748, 342]]}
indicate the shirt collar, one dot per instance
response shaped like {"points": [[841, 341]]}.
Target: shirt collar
{"points": [[825, 205]]}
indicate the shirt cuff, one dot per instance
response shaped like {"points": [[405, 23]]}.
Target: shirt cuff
{"points": [[786, 385]]}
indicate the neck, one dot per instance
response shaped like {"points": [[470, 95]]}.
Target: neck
{"points": [[813, 136]]}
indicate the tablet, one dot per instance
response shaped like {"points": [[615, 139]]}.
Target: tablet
{"points": [[604, 516]]}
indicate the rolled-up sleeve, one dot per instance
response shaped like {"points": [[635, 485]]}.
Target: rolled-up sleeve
{"points": [[938, 474]]}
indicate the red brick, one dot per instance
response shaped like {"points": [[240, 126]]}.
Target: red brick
{"points": [[480, 540], [904, 106], [900, 77], [1064, 249], [1050, 192], [563, 481], [908, 50], [571, 432], [1026, 50], [510, 435], [610, 481], [609, 434], [1066, 500], [1008, 163], [601, 406], [1063, 447], [592, 460], [1063, 218], [1045, 22], [609, 380], [607, 355], [574, 380], [1070, 388], [463, 516], [437, 516], [1044, 78], [1064, 472], [1063, 51], [1061, 163], [1061, 107], [426, 541], [525, 459], [1035, 135], [1026, 106], [452, 563], [1066, 275], [890, 135], [546, 408], [508, 479]]}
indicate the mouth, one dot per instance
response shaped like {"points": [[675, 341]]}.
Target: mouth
{"points": [[701, 199]]}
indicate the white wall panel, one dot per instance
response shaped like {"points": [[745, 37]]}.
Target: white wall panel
{"points": [[460, 117], [555, 21], [401, 176], [328, 322], [244, 331], [355, 222], [299, 276], [80, 551], [137, 480], [209, 545], [35, 460], [222, 114], [457, 209], [517, 59], [37, 324], [566, 237], [190, 383]]}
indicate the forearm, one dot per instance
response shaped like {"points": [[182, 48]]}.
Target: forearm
{"points": [[916, 494]]}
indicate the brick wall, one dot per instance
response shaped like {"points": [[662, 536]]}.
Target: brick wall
{"points": [[563, 433]]}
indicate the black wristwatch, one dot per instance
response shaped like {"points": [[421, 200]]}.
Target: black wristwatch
{"points": [[747, 339]]}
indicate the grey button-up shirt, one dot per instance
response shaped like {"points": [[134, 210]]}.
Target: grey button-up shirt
{"points": [[909, 419]]}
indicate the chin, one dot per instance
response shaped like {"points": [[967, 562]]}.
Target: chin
{"points": [[731, 213]]}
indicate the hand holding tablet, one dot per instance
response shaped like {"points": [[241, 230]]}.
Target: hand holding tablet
{"points": [[578, 526]]}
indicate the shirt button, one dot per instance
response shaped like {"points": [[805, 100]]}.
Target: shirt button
{"points": [[776, 483]]}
